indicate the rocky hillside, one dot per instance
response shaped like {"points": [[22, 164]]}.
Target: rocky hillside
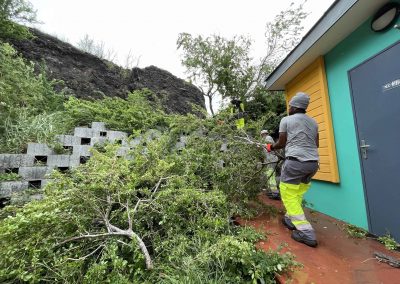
{"points": [[85, 75]]}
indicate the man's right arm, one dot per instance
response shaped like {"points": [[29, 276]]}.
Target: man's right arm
{"points": [[281, 141], [282, 135]]}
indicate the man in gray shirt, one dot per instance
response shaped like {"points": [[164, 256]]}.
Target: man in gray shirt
{"points": [[298, 134]]}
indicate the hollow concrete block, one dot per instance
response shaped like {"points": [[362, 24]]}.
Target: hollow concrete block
{"points": [[38, 149], [123, 151], [98, 126], [68, 140], [98, 141], [83, 132], [34, 173], [180, 145], [81, 150], [183, 139], [16, 160], [55, 161], [7, 188], [132, 142], [116, 135]]}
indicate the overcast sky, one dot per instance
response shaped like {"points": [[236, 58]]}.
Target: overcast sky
{"points": [[150, 28]]}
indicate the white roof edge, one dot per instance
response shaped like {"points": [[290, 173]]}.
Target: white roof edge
{"points": [[329, 29]]}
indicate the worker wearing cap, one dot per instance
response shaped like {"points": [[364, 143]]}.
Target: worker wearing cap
{"points": [[298, 134], [270, 161]]}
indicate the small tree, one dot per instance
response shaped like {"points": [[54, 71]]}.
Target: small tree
{"points": [[217, 65], [224, 66], [131, 61], [96, 48]]}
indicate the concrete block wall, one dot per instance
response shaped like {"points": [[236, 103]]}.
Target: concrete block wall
{"points": [[36, 165], [40, 160]]}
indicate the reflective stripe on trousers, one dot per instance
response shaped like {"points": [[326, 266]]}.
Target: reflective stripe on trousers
{"points": [[271, 182], [292, 198]]}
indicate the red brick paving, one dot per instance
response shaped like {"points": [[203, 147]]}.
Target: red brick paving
{"points": [[337, 259]]}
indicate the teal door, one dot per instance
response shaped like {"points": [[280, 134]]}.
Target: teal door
{"points": [[375, 87]]}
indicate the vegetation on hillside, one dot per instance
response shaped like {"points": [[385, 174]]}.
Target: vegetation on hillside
{"points": [[12, 14], [112, 219], [162, 216]]}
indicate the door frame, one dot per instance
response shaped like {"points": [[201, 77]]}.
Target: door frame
{"points": [[356, 128]]}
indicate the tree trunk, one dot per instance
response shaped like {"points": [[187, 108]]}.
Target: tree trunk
{"points": [[210, 105]]}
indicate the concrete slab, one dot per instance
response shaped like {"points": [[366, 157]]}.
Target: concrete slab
{"points": [[116, 135], [180, 145], [38, 149], [55, 161], [74, 161], [84, 132], [7, 188], [123, 151], [34, 173], [98, 126], [68, 140], [98, 140], [183, 139], [81, 150], [44, 182], [16, 160], [224, 147], [132, 142]]}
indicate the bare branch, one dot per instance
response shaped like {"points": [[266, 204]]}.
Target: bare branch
{"points": [[88, 255], [92, 236]]}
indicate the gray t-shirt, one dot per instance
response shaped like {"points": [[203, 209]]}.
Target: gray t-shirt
{"points": [[302, 133]]}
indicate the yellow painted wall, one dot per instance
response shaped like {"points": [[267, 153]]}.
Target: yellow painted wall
{"points": [[312, 81]]}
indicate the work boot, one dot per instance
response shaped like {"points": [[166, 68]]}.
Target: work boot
{"points": [[274, 195], [302, 237], [288, 223]]}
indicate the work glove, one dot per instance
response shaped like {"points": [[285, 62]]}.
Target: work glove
{"points": [[268, 147]]}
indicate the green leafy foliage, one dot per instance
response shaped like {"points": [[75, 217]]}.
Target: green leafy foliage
{"points": [[355, 232], [133, 113], [9, 177], [389, 242], [177, 201], [217, 65], [12, 11], [25, 128], [29, 106], [21, 88], [224, 67]]}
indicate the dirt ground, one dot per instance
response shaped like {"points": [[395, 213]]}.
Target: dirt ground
{"points": [[338, 257]]}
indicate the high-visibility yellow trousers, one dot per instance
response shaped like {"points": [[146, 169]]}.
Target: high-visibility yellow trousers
{"points": [[271, 182], [292, 198], [240, 123]]}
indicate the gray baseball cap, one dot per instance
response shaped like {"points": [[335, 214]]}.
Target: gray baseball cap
{"points": [[300, 100]]}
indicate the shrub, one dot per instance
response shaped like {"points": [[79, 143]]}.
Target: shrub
{"points": [[94, 223], [21, 88], [9, 177], [133, 113], [25, 128]]}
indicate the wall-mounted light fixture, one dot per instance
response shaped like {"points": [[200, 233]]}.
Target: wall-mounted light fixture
{"points": [[385, 17]]}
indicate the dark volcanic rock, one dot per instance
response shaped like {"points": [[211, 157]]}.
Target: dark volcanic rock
{"points": [[86, 75]]}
